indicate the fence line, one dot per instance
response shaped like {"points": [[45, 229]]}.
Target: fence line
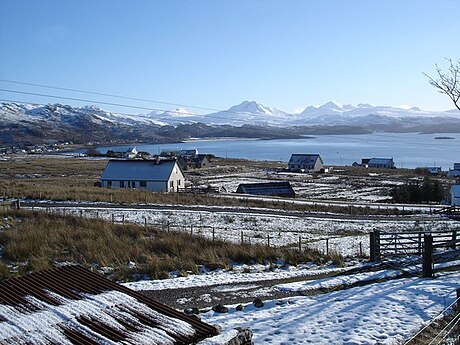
{"points": [[249, 236]]}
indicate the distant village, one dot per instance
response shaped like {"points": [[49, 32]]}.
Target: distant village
{"points": [[165, 172]]}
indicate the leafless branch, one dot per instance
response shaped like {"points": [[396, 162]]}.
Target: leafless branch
{"points": [[448, 83]]}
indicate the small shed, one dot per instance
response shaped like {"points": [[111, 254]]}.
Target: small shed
{"points": [[455, 195], [71, 305], [150, 175], [305, 162], [269, 188], [381, 163]]}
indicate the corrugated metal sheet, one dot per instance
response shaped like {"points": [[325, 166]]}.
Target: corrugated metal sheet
{"points": [[73, 305]]}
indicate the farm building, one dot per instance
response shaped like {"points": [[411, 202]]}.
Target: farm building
{"points": [[71, 305], [381, 163], [151, 175], [198, 161], [269, 188], [455, 172], [455, 195], [305, 162]]}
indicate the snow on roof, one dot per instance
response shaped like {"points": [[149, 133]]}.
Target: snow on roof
{"points": [[304, 159], [71, 305], [148, 170]]}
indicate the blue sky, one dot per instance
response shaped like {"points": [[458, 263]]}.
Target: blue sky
{"points": [[284, 54]]}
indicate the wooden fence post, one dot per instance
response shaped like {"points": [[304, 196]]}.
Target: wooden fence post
{"points": [[191, 229], [419, 249], [454, 239], [300, 243], [113, 218], [242, 240], [428, 256], [123, 219], [327, 246], [268, 240], [361, 249], [145, 222], [458, 300], [374, 239], [213, 234]]}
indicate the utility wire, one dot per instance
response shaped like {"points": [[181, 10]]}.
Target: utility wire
{"points": [[107, 94]]}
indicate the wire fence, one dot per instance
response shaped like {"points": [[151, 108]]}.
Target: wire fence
{"points": [[251, 233]]}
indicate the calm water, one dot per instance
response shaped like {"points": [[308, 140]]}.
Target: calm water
{"points": [[409, 150]]}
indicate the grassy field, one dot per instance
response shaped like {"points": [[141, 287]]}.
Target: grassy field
{"points": [[73, 179], [34, 241]]}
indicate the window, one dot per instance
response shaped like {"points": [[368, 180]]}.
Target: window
{"points": [[122, 184], [171, 184], [133, 184], [178, 182], [109, 183], [142, 183]]}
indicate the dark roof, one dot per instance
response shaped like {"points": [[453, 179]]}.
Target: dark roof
{"points": [[304, 159], [381, 161], [269, 188], [73, 305]]}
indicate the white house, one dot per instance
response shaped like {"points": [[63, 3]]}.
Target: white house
{"points": [[151, 175], [455, 195], [130, 153], [305, 162]]}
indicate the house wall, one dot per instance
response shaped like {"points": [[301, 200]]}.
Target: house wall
{"points": [[454, 197], [318, 165], [151, 186], [176, 180]]}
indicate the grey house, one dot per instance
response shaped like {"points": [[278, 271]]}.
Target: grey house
{"points": [[381, 163], [305, 162], [150, 175]]}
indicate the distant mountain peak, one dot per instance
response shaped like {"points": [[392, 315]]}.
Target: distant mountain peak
{"points": [[252, 107], [331, 105]]}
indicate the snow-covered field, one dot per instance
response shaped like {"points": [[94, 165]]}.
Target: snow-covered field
{"points": [[388, 312], [379, 313], [344, 236]]}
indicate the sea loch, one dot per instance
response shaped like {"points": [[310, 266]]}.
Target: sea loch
{"points": [[409, 150]]}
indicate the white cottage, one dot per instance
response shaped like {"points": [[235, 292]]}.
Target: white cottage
{"points": [[150, 175]]}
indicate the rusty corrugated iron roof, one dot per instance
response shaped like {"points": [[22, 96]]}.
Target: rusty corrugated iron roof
{"points": [[72, 305]]}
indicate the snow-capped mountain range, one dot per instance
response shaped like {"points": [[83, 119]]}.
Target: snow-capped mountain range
{"points": [[329, 114], [32, 123]]}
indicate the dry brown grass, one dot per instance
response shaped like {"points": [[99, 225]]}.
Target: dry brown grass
{"points": [[35, 241], [73, 179]]}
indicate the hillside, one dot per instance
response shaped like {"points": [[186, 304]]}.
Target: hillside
{"points": [[26, 124]]}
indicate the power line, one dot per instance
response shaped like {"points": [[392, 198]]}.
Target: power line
{"points": [[107, 94], [135, 107]]}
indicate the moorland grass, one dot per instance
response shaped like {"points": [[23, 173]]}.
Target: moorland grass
{"points": [[34, 241]]}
